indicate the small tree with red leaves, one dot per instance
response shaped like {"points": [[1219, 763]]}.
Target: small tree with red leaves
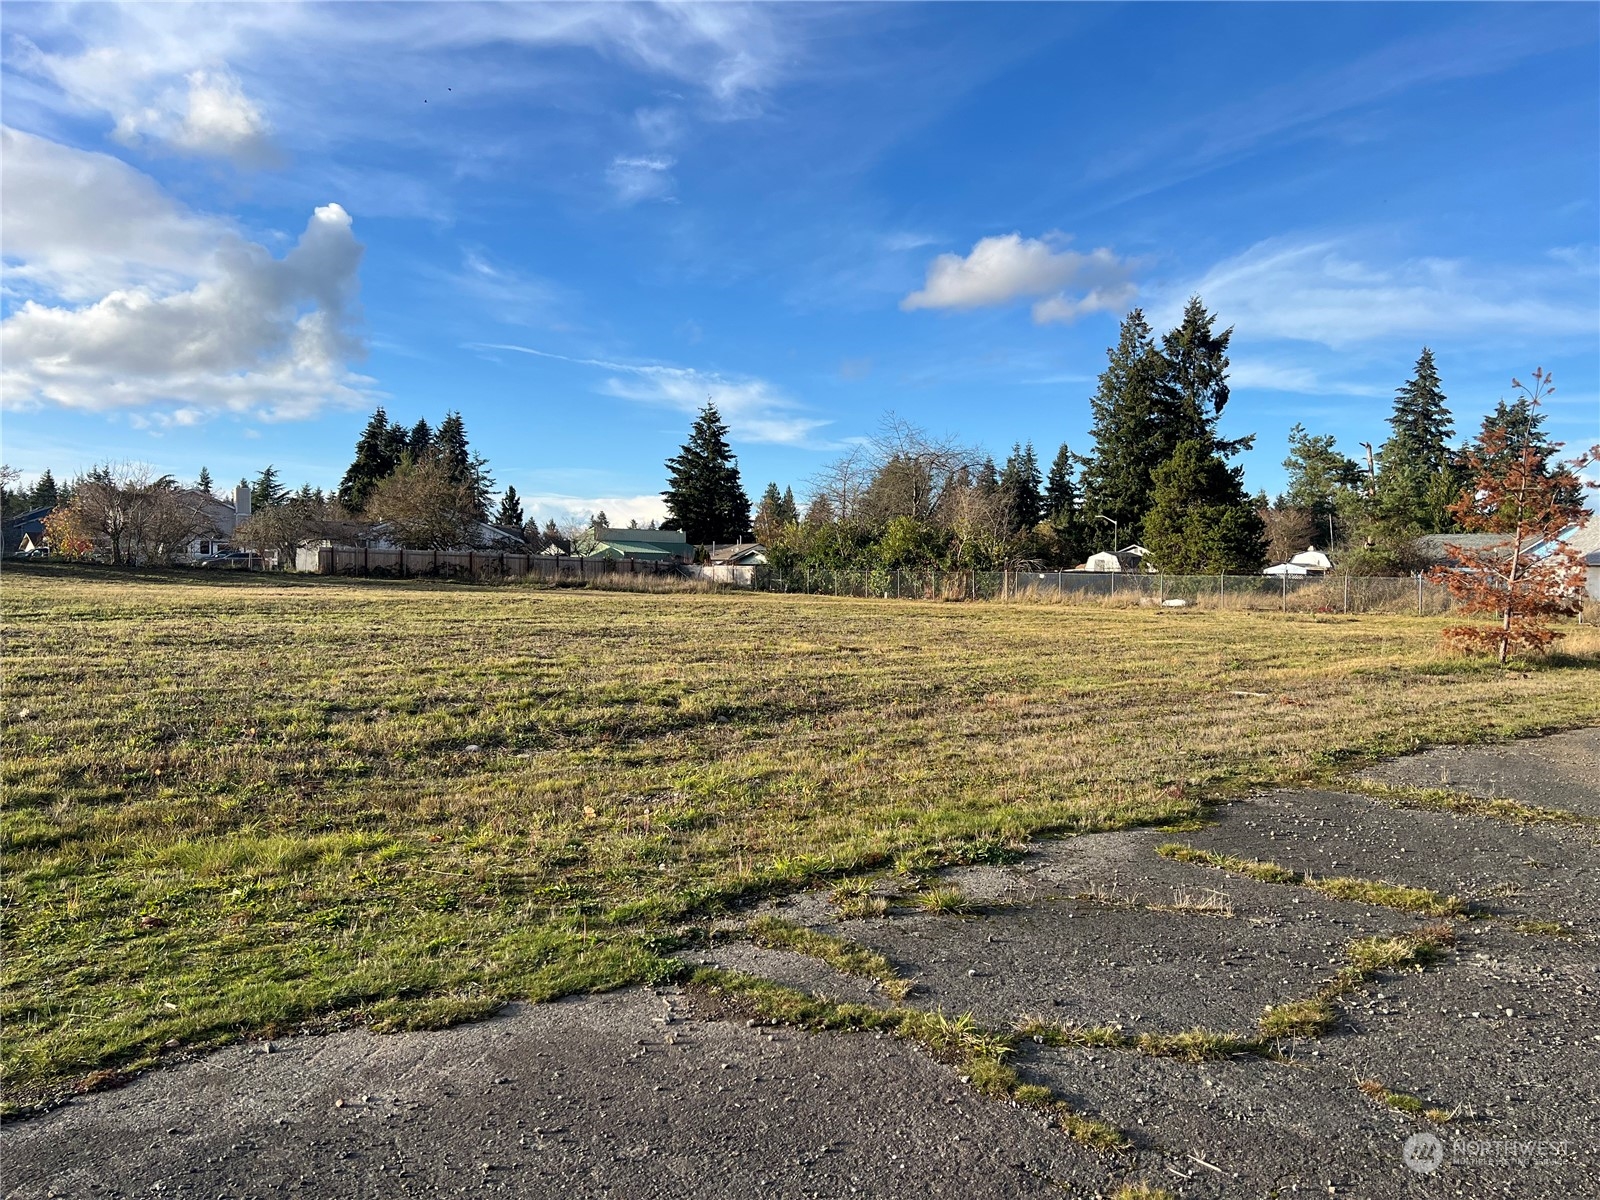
{"points": [[1518, 490]]}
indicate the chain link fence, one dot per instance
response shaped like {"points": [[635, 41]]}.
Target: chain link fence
{"points": [[1413, 594]]}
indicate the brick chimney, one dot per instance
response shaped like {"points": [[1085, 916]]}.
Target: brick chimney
{"points": [[241, 502]]}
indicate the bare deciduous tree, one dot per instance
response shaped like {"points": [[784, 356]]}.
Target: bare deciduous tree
{"points": [[424, 508], [135, 518]]}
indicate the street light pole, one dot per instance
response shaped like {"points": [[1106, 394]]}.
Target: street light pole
{"points": [[1116, 535]]}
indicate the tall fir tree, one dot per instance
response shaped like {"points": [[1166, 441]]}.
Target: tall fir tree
{"points": [[790, 510], [204, 482], [1200, 519], [1197, 371], [768, 523], [451, 448], [1020, 487], [1131, 410], [1060, 488], [1510, 430], [266, 491], [1419, 476], [420, 440], [704, 494], [378, 452], [45, 492], [510, 511]]}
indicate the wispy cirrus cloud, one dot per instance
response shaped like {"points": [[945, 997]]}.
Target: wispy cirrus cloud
{"points": [[1327, 291], [1000, 270], [637, 178], [755, 409], [212, 78], [1247, 374]]}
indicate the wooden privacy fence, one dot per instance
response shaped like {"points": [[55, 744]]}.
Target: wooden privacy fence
{"points": [[479, 565]]}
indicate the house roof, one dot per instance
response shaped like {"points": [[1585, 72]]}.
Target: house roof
{"points": [[645, 551], [609, 535], [736, 552], [1440, 547]]}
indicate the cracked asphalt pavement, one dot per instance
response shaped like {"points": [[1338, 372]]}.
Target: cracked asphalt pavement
{"points": [[644, 1093]]}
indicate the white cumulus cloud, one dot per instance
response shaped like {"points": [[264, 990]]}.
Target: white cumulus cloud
{"points": [[1000, 270], [78, 224], [196, 320]]}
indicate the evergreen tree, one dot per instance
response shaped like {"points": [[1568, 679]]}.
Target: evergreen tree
{"points": [[1132, 428], [987, 480], [1504, 436], [1323, 483], [1197, 364], [1060, 491], [704, 494], [420, 440], [1419, 476], [600, 520], [769, 515], [450, 448], [820, 513], [790, 511], [1200, 519], [1020, 488], [266, 491], [204, 482], [45, 493], [378, 452], [510, 513]]}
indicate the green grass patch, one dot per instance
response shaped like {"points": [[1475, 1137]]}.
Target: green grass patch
{"points": [[1404, 1102], [942, 899], [248, 804], [978, 1054], [1446, 800], [1299, 1018], [1360, 891], [851, 958]]}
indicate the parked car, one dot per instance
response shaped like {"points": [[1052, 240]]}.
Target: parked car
{"points": [[234, 560], [36, 552]]}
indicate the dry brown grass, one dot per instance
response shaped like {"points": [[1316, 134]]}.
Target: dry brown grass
{"points": [[244, 803]]}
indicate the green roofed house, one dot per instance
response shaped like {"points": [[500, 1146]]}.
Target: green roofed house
{"points": [[645, 545]]}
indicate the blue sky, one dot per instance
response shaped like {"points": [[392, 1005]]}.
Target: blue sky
{"points": [[229, 232]]}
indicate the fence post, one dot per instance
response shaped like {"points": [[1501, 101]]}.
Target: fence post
{"points": [[1220, 578], [1347, 595], [1419, 593], [1285, 604]]}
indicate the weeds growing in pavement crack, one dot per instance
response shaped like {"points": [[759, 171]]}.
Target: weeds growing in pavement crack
{"points": [[1360, 891], [978, 1054]]}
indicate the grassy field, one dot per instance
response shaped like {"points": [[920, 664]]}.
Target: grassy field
{"points": [[246, 804]]}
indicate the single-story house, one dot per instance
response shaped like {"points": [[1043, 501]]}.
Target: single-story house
{"points": [[224, 517], [1308, 562], [739, 554], [1438, 549], [645, 545], [1585, 539], [1129, 558]]}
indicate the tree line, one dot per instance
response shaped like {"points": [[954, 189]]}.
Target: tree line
{"points": [[1158, 473]]}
